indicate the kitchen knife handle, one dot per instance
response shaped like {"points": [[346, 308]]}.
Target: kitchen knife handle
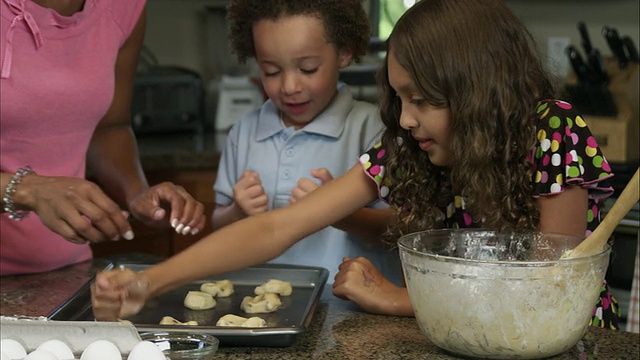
{"points": [[597, 66], [630, 48], [584, 34], [581, 69], [615, 44]]}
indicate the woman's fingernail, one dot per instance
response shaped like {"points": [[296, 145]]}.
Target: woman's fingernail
{"points": [[194, 231], [158, 214], [174, 223], [128, 235], [115, 238], [179, 228], [186, 230]]}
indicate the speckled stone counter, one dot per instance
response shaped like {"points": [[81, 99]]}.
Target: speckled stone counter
{"points": [[338, 329]]}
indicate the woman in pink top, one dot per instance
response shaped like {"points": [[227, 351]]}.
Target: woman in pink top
{"points": [[67, 71]]}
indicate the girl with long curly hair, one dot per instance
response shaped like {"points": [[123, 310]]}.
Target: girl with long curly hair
{"points": [[475, 137]]}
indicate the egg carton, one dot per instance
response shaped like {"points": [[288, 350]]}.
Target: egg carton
{"points": [[78, 335]]}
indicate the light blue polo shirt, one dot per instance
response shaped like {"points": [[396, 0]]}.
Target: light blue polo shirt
{"points": [[334, 140]]}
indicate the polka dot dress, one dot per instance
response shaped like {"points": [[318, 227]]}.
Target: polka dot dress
{"points": [[566, 154]]}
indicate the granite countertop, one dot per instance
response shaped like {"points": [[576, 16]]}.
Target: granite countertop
{"points": [[338, 329]]}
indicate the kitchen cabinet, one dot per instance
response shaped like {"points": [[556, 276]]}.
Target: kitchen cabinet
{"points": [[198, 181]]}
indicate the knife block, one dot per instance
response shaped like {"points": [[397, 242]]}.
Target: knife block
{"points": [[616, 131]]}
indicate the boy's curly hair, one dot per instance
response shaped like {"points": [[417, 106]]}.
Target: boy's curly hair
{"points": [[477, 59], [345, 22]]}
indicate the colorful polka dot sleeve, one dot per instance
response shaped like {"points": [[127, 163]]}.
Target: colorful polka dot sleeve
{"points": [[373, 163], [566, 154]]}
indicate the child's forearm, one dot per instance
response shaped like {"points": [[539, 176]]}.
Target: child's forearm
{"points": [[400, 305], [234, 247], [392, 300], [262, 237], [366, 224]]}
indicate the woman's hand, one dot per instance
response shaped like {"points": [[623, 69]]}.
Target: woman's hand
{"points": [[186, 216], [76, 209], [118, 294], [359, 281]]}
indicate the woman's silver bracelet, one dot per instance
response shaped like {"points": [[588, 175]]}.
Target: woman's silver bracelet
{"points": [[7, 198]]}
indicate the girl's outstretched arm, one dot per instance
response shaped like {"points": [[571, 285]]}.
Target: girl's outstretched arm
{"points": [[248, 242], [367, 224]]}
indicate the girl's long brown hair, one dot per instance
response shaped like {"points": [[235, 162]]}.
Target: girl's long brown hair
{"points": [[475, 57]]}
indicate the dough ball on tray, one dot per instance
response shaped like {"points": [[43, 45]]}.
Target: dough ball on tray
{"points": [[198, 300], [221, 288], [273, 286], [239, 321], [168, 320], [264, 303]]}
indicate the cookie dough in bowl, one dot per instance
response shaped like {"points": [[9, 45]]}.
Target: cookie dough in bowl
{"points": [[497, 295]]}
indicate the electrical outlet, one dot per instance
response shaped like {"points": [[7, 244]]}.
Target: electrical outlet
{"points": [[557, 60]]}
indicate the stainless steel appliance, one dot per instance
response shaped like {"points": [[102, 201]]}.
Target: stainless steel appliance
{"points": [[168, 99]]}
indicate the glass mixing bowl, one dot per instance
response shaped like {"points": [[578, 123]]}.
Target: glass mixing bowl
{"points": [[493, 295]]}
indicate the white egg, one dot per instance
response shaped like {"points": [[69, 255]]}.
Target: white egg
{"points": [[41, 355], [4, 356], [59, 348], [13, 349], [101, 350], [146, 350]]}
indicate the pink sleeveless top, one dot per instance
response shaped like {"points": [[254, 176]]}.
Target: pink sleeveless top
{"points": [[57, 80]]}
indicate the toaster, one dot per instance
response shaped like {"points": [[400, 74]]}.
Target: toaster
{"points": [[167, 99]]}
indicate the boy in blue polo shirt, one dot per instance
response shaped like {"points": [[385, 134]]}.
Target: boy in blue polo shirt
{"points": [[309, 128]]}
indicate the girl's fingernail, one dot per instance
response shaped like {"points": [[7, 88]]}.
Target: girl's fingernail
{"points": [[186, 230], [174, 223], [194, 231], [142, 285], [179, 228], [128, 235]]}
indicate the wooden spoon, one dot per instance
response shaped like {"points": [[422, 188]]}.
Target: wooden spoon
{"points": [[596, 242]]}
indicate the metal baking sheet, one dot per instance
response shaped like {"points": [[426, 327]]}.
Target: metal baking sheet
{"points": [[290, 320]]}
